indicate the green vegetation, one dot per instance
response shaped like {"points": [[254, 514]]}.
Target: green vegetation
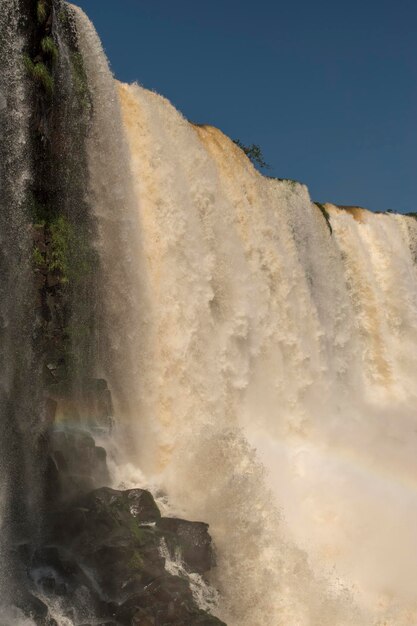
{"points": [[69, 253], [394, 212], [136, 562], [291, 181], [39, 73], [80, 80], [63, 17], [38, 257], [140, 534], [325, 215], [41, 12], [254, 153], [49, 48], [29, 64]]}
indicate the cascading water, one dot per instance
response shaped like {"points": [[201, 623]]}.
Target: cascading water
{"points": [[110, 193], [18, 404], [271, 333], [260, 351]]}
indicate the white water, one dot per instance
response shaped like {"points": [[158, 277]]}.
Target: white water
{"points": [[14, 617], [205, 596], [270, 368]]}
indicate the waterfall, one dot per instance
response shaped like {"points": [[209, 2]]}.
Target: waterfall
{"points": [[123, 321], [253, 351], [281, 382], [18, 403]]}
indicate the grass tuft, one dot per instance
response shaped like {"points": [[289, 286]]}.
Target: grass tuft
{"points": [[80, 80], [290, 181], [63, 17], [41, 12], [42, 75], [39, 73], [49, 48], [28, 63], [38, 257]]}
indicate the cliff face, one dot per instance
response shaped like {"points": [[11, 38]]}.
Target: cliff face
{"points": [[106, 556], [76, 551], [244, 347]]}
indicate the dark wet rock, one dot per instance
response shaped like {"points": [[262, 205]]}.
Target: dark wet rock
{"points": [[141, 505], [49, 411], [108, 514], [101, 624], [105, 550], [40, 281], [167, 600], [108, 531], [89, 402], [108, 542], [53, 279], [193, 541], [34, 608], [76, 465]]}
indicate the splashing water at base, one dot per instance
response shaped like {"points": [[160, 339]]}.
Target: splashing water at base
{"points": [[14, 617], [205, 596]]}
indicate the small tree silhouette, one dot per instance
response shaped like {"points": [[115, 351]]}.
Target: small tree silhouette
{"points": [[254, 153]]}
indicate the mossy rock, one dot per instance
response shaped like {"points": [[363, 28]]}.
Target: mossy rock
{"points": [[116, 537], [42, 11], [40, 74], [49, 48]]}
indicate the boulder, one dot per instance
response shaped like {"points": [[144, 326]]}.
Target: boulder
{"points": [[116, 536], [80, 465], [192, 540], [34, 608], [167, 600], [88, 402]]}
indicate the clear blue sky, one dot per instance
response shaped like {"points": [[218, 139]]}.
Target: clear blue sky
{"points": [[328, 89]]}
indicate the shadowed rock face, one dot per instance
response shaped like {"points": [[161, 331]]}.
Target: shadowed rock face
{"points": [[193, 541], [102, 561], [102, 557], [73, 547]]}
